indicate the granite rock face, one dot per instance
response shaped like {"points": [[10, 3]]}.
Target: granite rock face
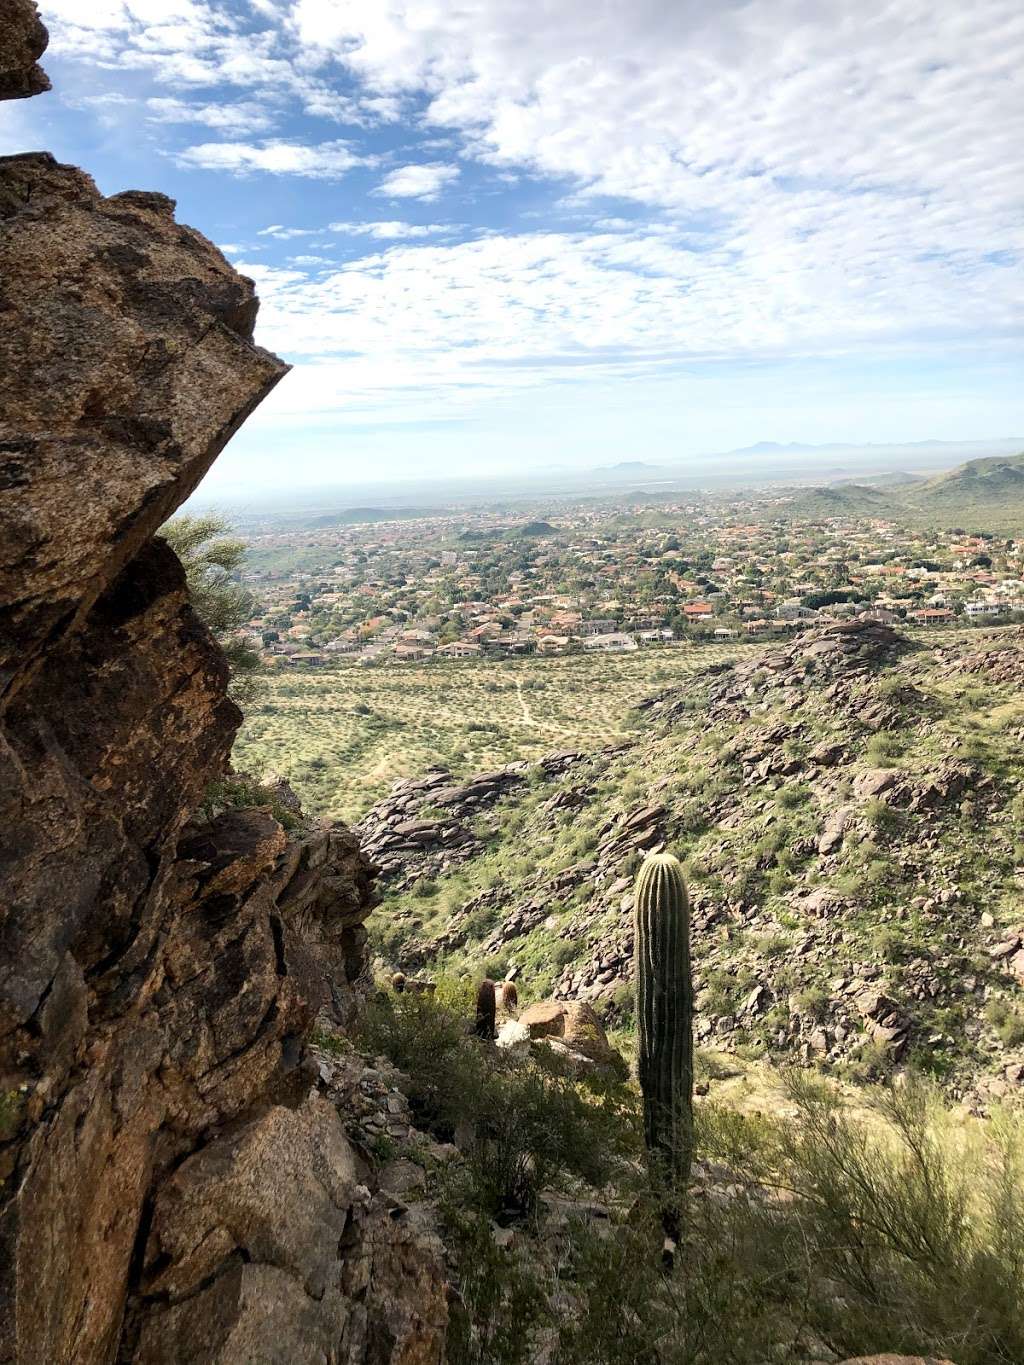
{"points": [[126, 363], [173, 1185], [23, 40]]}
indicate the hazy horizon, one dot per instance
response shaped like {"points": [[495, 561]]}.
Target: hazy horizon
{"points": [[712, 472], [497, 237]]}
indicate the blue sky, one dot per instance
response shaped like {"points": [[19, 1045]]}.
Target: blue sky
{"points": [[496, 235]]}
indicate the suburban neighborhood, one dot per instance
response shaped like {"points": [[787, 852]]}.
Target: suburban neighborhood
{"points": [[480, 584]]}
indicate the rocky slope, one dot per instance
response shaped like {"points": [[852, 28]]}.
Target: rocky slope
{"points": [[174, 1184], [850, 809]]}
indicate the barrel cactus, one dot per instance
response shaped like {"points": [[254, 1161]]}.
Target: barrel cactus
{"points": [[664, 1012], [486, 1007]]}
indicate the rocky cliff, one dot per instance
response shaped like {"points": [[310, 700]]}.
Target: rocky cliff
{"points": [[173, 1185]]}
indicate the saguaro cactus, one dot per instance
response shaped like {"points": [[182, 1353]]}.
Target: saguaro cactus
{"points": [[486, 1006], [664, 1012]]}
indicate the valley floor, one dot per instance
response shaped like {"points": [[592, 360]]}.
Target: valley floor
{"points": [[342, 735]]}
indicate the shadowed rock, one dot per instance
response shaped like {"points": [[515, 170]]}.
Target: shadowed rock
{"points": [[172, 1186]]}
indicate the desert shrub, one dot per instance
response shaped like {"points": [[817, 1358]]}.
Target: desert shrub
{"points": [[240, 791], [899, 1234], [531, 1120], [1007, 1021], [501, 1300], [495, 967], [792, 795], [891, 687], [565, 951], [883, 749], [212, 560], [974, 748], [880, 814]]}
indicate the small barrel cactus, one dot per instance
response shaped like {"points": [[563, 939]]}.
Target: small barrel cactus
{"points": [[486, 1007], [664, 1012]]}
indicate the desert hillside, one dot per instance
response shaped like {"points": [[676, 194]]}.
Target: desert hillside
{"points": [[850, 811]]}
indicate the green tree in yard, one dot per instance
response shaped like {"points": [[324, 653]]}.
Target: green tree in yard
{"points": [[211, 558]]}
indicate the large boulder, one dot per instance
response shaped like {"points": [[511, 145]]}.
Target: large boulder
{"points": [[126, 363], [573, 1031], [23, 40], [246, 1257]]}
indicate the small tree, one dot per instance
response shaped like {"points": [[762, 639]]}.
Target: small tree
{"points": [[210, 557]]}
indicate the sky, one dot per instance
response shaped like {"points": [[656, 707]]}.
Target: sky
{"points": [[497, 236]]}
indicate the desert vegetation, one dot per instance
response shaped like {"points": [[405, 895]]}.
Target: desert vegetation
{"points": [[855, 852], [823, 1230], [342, 735]]}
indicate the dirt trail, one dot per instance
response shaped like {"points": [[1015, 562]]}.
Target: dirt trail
{"points": [[527, 713]]}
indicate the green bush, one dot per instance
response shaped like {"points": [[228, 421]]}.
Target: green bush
{"points": [[212, 561], [851, 1239], [921, 1227], [1007, 1020], [530, 1120], [501, 1301], [792, 795], [241, 792], [883, 749], [880, 814]]}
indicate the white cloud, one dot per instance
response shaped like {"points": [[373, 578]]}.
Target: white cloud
{"points": [[325, 161], [785, 176], [284, 234], [423, 180], [852, 138], [391, 231], [226, 118]]}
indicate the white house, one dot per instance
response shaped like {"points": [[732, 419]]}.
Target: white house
{"points": [[611, 644]]}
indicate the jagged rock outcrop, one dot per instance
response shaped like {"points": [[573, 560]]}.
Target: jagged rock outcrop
{"points": [[23, 40], [126, 363], [173, 1186], [406, 842]]}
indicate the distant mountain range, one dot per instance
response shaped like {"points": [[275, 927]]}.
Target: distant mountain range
{"points": [[1009, 443], [630, 467], [843, 455]]}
